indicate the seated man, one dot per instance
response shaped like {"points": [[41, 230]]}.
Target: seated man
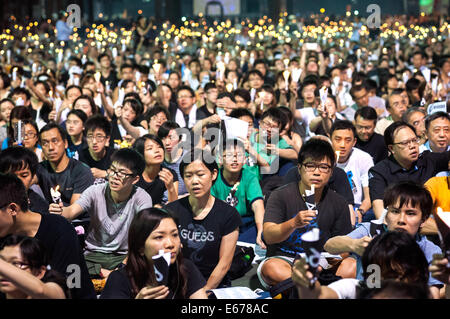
{"points": [[97, 155], [367, 140], [239, 187], [437, 127], [287, 216], [396, 106], [111, 207], [23, 163], [356, 164], [72, 177], [408, 206], [57, 235], [405, 163]]}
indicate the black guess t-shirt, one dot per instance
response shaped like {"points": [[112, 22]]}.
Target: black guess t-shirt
{"points": [[201, 239]]}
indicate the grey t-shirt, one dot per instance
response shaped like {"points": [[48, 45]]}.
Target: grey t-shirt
{"points": [[108, 228]]}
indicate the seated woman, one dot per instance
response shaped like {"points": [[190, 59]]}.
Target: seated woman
{"points": [[156, 178], [24, 272], [209, 227], [129, 113], [75, 129], [152, 230], [18, 113]]}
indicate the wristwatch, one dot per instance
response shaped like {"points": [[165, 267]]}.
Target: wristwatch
{"points": [[361, 211]]}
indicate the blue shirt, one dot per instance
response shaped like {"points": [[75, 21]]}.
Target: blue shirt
{"points": [[428, 248]]}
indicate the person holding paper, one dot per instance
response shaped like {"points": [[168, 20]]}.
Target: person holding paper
{"points": [[409, 207], [239, 187], [151, 231], [289, 212]]}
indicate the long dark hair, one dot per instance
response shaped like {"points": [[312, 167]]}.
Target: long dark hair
{"points": [[139, 269], [19, 113], [35, 255]]}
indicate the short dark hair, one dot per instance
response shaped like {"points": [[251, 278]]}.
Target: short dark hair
{"points": [[129, 158], [70, 87], [226, 94], [209, 86], [398, 255], [156, 110], [16, 158], [367, 113], [51, 126], [80, 113], [13, 191], [316, 149], [257, 72], [355, 89], [166, 127], [343, 125], [430, 118], [200, 155], [393, 289], [408, 192], [277, 115], [186, 88], [98, 121], [241, 111], [392, 129], [407, 115], [139, 144], [243, 93]]}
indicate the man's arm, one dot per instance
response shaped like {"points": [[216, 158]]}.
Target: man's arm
{"points": [[346, 244], [276, 233], [70, 212], [378, 207]]}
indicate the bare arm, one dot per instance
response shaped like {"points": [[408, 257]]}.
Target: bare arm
{"points": [[30, 284], [258, 210], [227, 248], [71, 212], [378, 207]]}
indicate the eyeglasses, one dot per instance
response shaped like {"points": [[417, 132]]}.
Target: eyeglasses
{"points": [[414, 141], [232, 155], [363, 128], [29, 135], [98, 138], [311, 167], [269, 125], [185, 97], [118, 174]]}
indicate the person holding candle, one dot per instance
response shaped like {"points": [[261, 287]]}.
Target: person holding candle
{"points": [[55, 233], [111, 208], [287, 215], [409, 205], [150, 231]]}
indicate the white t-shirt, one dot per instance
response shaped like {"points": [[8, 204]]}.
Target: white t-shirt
{"points": [[357, 169], [345, 288]]}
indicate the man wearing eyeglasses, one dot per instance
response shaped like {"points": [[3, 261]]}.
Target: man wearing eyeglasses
{"points": [[72, 176], [287, 216], [404, 163], [111, 207]]}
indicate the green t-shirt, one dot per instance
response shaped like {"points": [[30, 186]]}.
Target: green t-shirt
{"points": [[261, 150], [247, 191]]}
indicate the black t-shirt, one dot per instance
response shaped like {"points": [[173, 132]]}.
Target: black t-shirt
{"points": [[333, 217], [389, 171], [62, 244], [37, 203], [73, 180], [118, 285], [375, 146], [102, 164], [338, 182], [156, 188], [201, 239]]}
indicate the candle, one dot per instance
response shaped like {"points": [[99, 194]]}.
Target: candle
{"points": [[98, 76], [229, 87], [286, 63], [8, 56], [14, 74], [221, 69], [56, 195], [337, 156], [286, 75], [262, 95]]}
